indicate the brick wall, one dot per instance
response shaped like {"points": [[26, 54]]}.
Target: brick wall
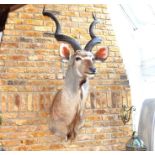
{"points": [[31, 74]]}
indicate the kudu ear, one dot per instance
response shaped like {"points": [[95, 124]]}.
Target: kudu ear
{"points": [[102, 54], [65, 51]]}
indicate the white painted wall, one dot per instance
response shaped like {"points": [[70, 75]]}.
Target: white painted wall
{"points": [[138, 51]]}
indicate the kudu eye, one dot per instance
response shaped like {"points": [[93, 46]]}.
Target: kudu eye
{"points": [[93, 59], [77, 58]]}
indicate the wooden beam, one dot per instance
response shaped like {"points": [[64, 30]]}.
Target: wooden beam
{"points": [[3, 17], [11, 6], [4, 11]]}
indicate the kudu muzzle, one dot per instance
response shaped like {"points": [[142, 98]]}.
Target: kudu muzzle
{"points": [[92, 70]]}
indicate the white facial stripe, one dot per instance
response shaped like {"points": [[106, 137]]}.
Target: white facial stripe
{"points": [[86, 58], [89, 57], [85, 55]]}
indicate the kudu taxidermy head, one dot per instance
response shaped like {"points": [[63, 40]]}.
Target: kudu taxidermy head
{"points": [[66, 111]]}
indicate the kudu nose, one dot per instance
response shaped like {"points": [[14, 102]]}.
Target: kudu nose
{"points": [[93, 70]]}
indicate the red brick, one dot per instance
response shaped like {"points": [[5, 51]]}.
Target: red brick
{"points": [[94, 118], [10, 33], [15, 21], [30, 9], [10, 45], [1, 63], [27, 128], [32, 33], [39, 147], [13, 15], [27, 142], [16, 57], [9, 143], [23, 27], [26, 15], [8, 129], [56, 147], [39, 134], [8, 88], [36, 102], [4, 102], [10, 115], [30, 108], [102, 136], [33, 22], [22, 148], [23, 100]]}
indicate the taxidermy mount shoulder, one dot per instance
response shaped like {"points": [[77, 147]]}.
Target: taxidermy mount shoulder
{"points": [[66, 111]]}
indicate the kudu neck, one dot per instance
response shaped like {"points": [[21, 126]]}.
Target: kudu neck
{"points": [[73, 81]]}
